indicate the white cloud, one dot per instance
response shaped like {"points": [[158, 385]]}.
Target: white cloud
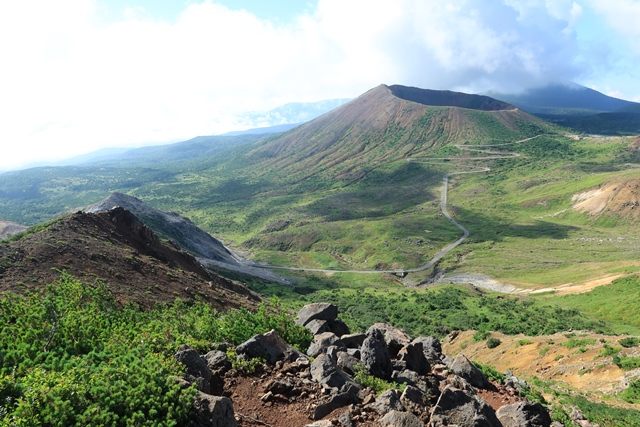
{"points": [[72, 82], [623, 16]]}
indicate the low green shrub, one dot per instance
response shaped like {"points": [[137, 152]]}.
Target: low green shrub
{"points": [[378, 385], [632, 393], [629, 342], [491, 373], [493, 342], [70, 355], [579, 342], [626, 363]]}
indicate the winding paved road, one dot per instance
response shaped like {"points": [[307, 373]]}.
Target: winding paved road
{"points": [[487, 154]]}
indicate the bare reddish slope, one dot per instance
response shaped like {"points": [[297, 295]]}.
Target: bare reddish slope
{"points": [[116, 247]]}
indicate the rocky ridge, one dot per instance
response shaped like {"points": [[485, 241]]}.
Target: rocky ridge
{"points": [[333, 383]]}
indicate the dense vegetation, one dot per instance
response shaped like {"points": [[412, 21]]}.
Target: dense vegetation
{"points": [[72, 356], [444, 309], [609, 304]]}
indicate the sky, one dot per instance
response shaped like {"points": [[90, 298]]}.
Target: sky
{"points": [[80, 75]]}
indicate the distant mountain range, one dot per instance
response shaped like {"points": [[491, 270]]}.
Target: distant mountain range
{"points": [[578, 107]]}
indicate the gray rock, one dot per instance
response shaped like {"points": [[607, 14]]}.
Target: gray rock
{"points": [[413, 356], [317, 326], [406, 377], [355, 352], [319, 311], [388, 401], [322, 423], [325, 371], [400, 419], [346, 362], [352, 341], [524, 414], [212, 411], [412, 395], [331, 404], [394, 337], [431, 347], [458, 407], [218, 362], [196, 369], [322, 342], [338, 327], [463, 367], [346, 420], [268, 346], [374, 355]]}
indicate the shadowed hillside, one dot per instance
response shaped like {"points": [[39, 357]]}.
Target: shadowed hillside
{"points": [[116, 247]]}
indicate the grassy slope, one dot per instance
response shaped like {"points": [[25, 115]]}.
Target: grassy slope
{"points": [[607, 303], [523, 229]]}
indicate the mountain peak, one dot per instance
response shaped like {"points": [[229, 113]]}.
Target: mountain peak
{"points": [[447, 98]]}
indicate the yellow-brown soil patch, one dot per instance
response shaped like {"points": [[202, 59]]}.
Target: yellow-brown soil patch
{"points": [[620, 198], [583, 368]]}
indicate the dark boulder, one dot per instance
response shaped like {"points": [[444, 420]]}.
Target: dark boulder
{"points": [[524, 414], [212, 411], [353, 340], [196, 369], [374, 355], [460, 408], [218, 362], [463, 367], [268, 346], [322, 342], [317, 311], [388, 401], [325, 371], [400, 419], [412, 355], [431, 347], [394, 337], [346, 362]]}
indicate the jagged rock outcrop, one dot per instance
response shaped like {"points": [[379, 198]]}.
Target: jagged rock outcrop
{"points": [[331, 388], [374, 355]]}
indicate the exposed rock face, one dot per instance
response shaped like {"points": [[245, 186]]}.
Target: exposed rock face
{"points": [[317, 311], [393, 337], [457, 407], [268, 346], [463, 367], [218, 362], [374, 354], [524, 414], [212, 411]]}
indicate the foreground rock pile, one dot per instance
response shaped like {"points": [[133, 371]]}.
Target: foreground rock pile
{"points": [[328, 386]]}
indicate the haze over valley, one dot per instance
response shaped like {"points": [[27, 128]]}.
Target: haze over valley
{"points": [[357, 214]]}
